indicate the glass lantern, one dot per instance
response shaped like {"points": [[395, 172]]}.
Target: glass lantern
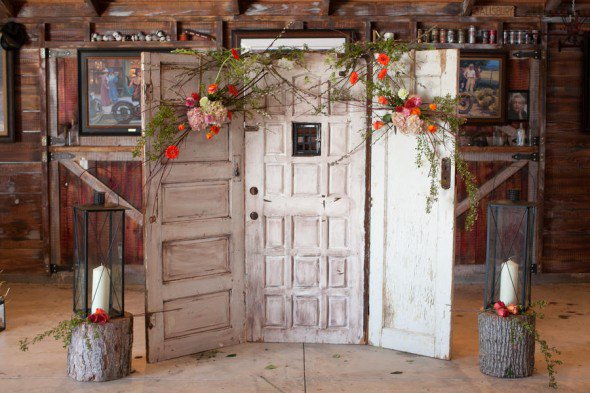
{"points": [[2, 314], [509, 255], [99, 247]]}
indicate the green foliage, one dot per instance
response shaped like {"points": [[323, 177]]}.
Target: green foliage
{"points": [[160, 133], [62, 332]]}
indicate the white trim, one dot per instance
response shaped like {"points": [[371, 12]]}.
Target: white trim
{"points": [[260, 44]]}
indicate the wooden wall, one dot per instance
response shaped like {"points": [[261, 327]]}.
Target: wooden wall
{"points": [[566, 229]]}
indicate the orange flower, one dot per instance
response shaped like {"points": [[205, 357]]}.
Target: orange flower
{"points": [[382, 73], [181, 127], [432, 107], [432, 128], [416, 111], [215, 129], [383, 100], [172, 152], [232, 90], [212, 88], [383, 59], [235, 54], [378, 124], [354, 78], [209, 135]]}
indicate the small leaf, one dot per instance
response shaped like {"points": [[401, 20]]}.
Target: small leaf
{"points": [[386, 118], [231, 355], [270, 367], [336, 356], [396, 372]]}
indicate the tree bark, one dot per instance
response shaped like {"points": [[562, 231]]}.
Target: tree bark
{"points": [[101, 352], [506, 348]]}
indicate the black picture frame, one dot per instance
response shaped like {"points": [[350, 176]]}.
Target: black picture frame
{"points": [[114, 116], [469, 103], [7, 128], [238, 35], [512, 113], [585, 105]]}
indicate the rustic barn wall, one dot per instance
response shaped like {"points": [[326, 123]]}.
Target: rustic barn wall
{"points": [[566, 229]]}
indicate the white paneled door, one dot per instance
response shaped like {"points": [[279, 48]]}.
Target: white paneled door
{"points": [[194, 228], [411, 260], [304, 215]]}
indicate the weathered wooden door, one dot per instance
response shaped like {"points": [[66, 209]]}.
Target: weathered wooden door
{"points": [[194, 227], [411, 250], [304, 216]]}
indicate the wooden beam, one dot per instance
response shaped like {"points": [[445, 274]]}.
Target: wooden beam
{"points": [[551, 5], [94, 6], [110, 195], [491, 185], [467, 7], [325, 7], [238, 7], [7, 7]]}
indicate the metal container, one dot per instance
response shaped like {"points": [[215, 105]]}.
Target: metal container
{"points": [[434, 35], [513, 35], [461, 35], [493, 36], [535, 37], [420, 36], [485, 37], [506, 35], [472, 34], [451, 36], [443, 36], [520, 39]]}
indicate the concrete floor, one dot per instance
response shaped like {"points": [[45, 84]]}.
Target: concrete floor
{"points": [[310, 367]]}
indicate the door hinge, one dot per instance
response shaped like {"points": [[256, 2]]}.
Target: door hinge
{"points": [[524, 156], [251, 128], [535, 54], [53, 268], [445, 173], [56, 156]]}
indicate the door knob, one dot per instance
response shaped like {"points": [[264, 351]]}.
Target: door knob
{"points": [[253, 190], [254, 215]]}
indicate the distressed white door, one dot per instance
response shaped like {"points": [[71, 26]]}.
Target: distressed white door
{"points": [[411, 252], [194, 227], [304, 250]]}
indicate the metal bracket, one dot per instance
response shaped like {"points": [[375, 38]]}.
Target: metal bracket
{"points": [[55, 140], [445, 173], [523, 156], [251, 128], [61, 156], [53, 268], [535, 54], [534, 269], [55, 53]]}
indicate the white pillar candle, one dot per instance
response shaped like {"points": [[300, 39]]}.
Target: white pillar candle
{"points": [[509, 282], [101, 283]]}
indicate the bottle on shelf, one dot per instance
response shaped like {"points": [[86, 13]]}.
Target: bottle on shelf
{"points": [[520, 135]]}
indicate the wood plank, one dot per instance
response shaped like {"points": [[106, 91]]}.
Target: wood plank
{"points": [[97, 185], [490, 185], [467, 7], [552, 5], [7, 8], [95, 6]]}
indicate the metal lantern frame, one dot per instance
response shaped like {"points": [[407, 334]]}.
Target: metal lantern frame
{"points": [[2, 314], [81, 260], [494, 246]]}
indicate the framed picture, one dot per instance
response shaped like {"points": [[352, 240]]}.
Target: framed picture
{"points": [[482, 90], [314, 39], [110, 91], [6, 96], [518, 105]]}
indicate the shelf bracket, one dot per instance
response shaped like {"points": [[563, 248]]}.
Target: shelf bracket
{"points": [[523, 156], [535, 54]]}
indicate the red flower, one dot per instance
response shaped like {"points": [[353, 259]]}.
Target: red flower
{"points": [[181, 127], [382, 73], [99, 316], [229, 115], [378, 124], [172, 152], [503, 312], [215, 129], [410, 103], [235, 54], [498, 305], [399, 108], [196, 96], [354, 78], [383, 100], [232, 90], [383, 59], [212, 88]]}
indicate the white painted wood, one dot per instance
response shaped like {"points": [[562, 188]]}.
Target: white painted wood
{"points": [[194, 248], [411, 251], [304, 252]]}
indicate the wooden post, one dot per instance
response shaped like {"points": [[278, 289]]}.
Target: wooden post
{"points": [[101, 352], [506, 348]]}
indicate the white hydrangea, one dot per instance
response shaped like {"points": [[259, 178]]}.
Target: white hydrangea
{"points": [[403, 93]]}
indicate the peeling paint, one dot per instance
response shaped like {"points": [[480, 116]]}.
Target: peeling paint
{"points": [[121, 13]]}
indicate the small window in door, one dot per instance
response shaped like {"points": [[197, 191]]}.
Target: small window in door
{"points": [[306, 139]]}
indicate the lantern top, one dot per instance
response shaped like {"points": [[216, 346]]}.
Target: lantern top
{"points": [[100, 208], [508, 202]]}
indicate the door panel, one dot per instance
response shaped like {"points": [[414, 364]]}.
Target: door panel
{"points": [[304, 251], [412, 250], [194, 229]]}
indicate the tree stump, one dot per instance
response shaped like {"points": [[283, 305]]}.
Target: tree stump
{"points": [[506, 348], [101, 352]]}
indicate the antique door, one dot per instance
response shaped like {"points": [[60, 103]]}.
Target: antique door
{"points": [[304, 215], [411, 250], [194, 227]]}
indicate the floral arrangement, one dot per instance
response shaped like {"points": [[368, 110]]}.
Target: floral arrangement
{"points": [[242, 84], [63, 331]]}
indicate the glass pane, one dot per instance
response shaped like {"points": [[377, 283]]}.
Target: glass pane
{"points": [[306, 139]]}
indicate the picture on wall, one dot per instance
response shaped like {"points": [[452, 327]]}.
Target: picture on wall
{"points": [[482, 89], [6, 96], [518, 105], [110, 91]]}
